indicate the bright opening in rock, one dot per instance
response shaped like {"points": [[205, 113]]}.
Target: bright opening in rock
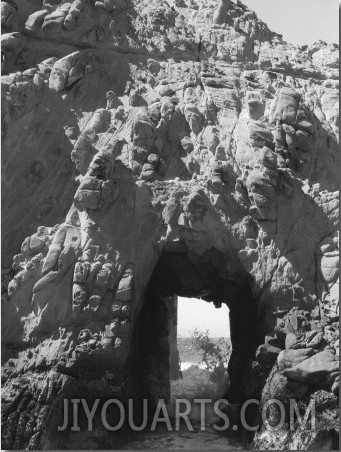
{"points": [[154, 358], [200, 352], [194, 313]]}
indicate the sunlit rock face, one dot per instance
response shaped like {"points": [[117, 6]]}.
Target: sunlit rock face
{"points": [[133, 130]]}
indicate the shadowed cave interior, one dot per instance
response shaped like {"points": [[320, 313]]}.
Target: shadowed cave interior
{"points": [[178, 274]]}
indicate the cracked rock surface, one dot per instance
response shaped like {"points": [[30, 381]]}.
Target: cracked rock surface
{"points": [[130, 126]]}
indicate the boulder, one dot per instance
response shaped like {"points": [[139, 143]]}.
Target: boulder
{"points": [[289, 358], [314, 370]]}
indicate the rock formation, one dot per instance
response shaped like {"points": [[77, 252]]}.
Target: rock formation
{"points": [[153, 149]]}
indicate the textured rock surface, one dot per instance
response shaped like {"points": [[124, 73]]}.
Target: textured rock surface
{"points": [[148, 131]]}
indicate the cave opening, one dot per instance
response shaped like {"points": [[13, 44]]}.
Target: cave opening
{"points": [[200, 349], [198, 318], [180, 274]]}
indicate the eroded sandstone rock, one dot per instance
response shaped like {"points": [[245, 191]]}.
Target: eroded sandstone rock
{"points": [[149, 132]]}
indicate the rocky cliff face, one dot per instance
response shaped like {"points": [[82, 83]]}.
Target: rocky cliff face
{"points": [[143, 140]]}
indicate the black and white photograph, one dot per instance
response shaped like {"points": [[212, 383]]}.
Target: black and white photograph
{"points": [[170, 225]]}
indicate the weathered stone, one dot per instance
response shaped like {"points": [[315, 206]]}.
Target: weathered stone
{"points": [[289, 358], [315, 369], [206, 160], [267, 353]]}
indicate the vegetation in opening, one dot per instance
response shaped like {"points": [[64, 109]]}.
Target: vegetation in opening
{"points": [[204, 363]]}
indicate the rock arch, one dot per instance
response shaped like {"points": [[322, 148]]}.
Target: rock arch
{"points": [[197, 276], [229, 150]]}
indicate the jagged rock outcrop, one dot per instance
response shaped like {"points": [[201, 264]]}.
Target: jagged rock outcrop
{"points": [[142, 139]]}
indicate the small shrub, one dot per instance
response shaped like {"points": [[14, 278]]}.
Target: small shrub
{"points": [[215, 356]]}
